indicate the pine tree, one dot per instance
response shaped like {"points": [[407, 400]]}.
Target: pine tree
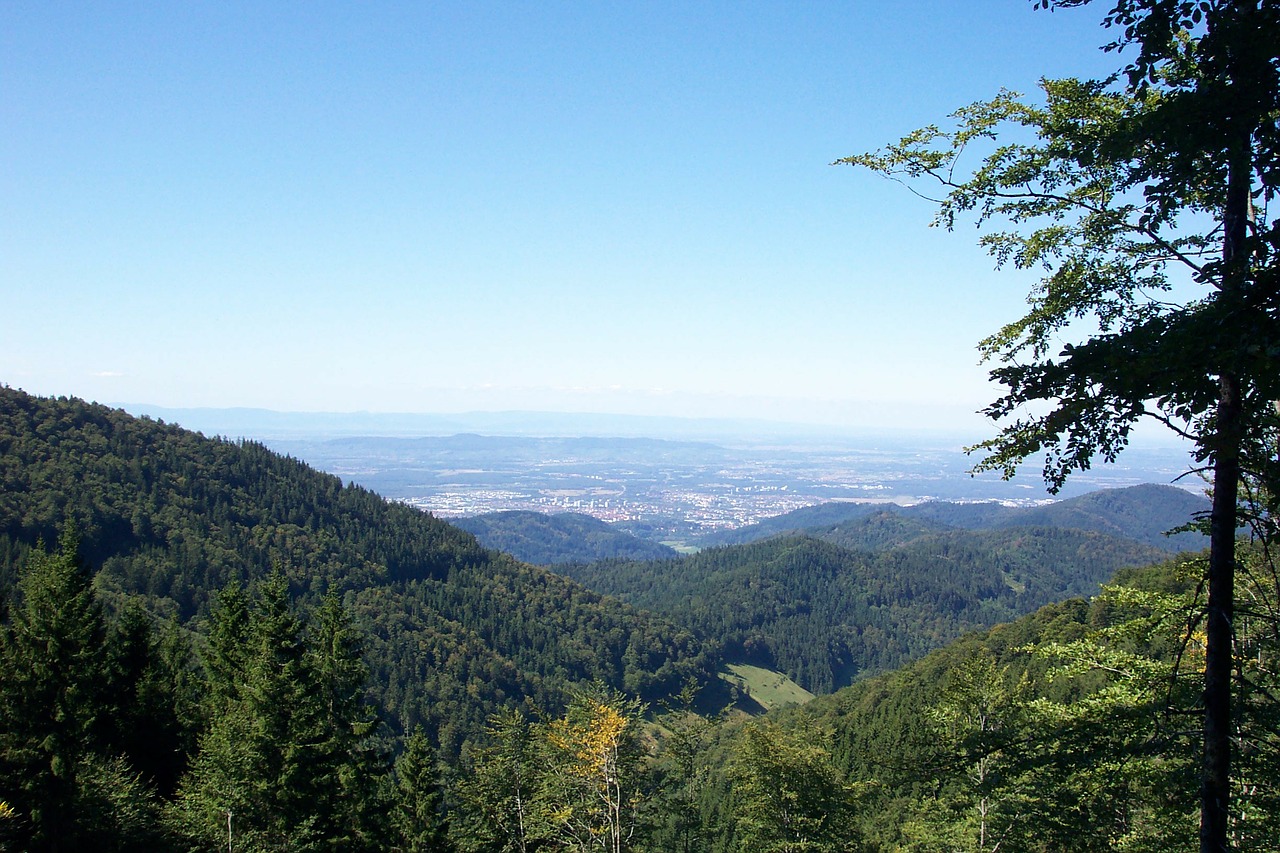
{"points": [[245, 774], [288, 758], [226, 652], [417, 819], [345, 768], [53, 695], [151, 698]]}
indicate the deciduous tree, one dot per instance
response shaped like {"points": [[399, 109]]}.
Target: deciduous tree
{"points": [[683, 773], [976, 720], [592, 785], [788, 797], [498, 807], [1144, 202]]}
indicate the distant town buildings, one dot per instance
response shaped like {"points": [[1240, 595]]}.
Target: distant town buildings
{"points": [[702, 510]]}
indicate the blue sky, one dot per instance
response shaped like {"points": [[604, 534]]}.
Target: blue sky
{"points": [[439, 207]]}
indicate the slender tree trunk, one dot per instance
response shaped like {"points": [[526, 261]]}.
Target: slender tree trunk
{"points": [[1215, 779], [1215, 776]]}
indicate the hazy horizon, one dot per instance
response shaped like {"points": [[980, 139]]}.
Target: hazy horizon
{"points": [[529, 422], [450, 208], [260, 423]]}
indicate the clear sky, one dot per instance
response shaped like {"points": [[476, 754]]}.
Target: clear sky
{"points": [[453, 206]]}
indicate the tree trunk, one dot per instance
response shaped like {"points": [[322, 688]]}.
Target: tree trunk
{"points": [[1228, 441], [1215, 778]]}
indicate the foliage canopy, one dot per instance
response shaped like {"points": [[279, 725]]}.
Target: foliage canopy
{"points": [[1106, 188]]}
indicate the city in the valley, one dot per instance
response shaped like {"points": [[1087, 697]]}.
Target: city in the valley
{"points": [[675, 489]]}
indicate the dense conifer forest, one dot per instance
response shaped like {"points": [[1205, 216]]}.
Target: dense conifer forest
{"points": [[191, 652], [170, 518], [866, 595]]}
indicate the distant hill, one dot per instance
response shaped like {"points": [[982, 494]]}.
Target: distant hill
{"points": [[270, 424], [885, 527], [970, 515], [1143, 513], [454, 631], [824, 613], [545, 540], [806, 518]]}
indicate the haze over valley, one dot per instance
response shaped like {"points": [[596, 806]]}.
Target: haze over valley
{"points": [[687, 479]]}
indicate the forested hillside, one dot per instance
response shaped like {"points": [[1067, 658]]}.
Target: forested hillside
{"points": [[1058, 731], [1063, 730], [824, 613], [566, 537], [200, 654], [1145, 513], [454, 631]]}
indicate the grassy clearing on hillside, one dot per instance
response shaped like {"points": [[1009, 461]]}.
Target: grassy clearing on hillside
{"points": [[768, 688], [681, 546]]}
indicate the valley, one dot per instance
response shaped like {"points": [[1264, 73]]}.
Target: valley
{"points": [[212, 590], [678, 490]]}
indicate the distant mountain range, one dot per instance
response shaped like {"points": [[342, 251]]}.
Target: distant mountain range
{"points": [[456, 631], [265, 424], [1145, 513]]}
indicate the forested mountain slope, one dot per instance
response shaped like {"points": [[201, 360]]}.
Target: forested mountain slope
{"points": [[824, 614], [567, 537], [454, 630], [1144, 513], [1061, 730], [264, 716]]}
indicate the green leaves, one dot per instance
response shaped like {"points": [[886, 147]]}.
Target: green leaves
{"points": [[1115, 197], [574, 782], [499, 806], [788, 796]]}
